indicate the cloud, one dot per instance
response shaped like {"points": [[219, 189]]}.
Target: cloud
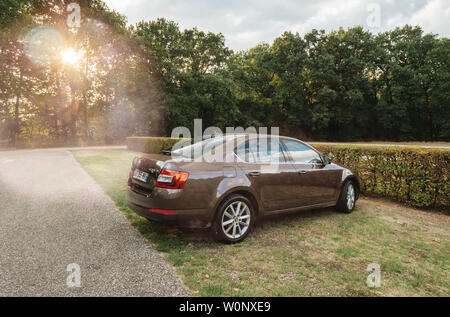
{"points": [[434, 17], [247, 23]]}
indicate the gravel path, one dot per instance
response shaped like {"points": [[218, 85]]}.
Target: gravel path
{"points": [[53, 214]]}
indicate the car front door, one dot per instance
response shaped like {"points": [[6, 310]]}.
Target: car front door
{"points": [[316, 183]]}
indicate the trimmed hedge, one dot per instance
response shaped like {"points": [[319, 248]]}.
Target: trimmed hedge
{"points": [[150, 144], [414, 176]]}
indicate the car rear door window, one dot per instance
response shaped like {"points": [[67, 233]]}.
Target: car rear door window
{"points": [[243, 152], [260, 151], [267, 151], [301, 153]]}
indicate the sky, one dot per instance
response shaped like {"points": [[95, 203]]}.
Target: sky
{"points": [[246, 23]]}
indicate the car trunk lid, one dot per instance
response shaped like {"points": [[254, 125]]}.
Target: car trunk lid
{"points": [[152, 164]]}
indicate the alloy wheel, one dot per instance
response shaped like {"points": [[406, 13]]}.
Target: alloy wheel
{"points": [[236, 220], [350, 196]]}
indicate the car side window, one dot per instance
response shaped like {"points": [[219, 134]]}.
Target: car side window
{"points": [[259, 151], [302, 153], [243, 152], [263, 152]]}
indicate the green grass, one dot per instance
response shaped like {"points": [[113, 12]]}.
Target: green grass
{"points": [[312, 253]]}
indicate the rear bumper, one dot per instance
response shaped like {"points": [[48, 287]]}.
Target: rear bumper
{"points": [[185, 218]]}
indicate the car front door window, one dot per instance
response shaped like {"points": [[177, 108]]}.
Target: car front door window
{"points": [[301, 153]]}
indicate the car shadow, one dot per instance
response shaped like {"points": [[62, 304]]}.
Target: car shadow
{"points": [[262, 224]]}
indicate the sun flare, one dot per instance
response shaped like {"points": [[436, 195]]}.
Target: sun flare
{"points": [[70, 56]]}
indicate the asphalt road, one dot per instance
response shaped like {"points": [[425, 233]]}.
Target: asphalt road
{"points": [[52, 214]]}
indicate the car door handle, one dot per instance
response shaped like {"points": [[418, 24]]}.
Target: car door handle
{"points": [[302, 172], [254, 174]]}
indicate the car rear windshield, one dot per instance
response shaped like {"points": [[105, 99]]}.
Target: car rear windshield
{"points": [[199, 148]]}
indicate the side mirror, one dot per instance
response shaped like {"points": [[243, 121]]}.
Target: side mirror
{"points": [[326, 160]]}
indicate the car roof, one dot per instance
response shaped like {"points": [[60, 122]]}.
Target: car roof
{"points": [[256, 135]]}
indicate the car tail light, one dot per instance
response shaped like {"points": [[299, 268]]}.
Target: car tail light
{"points": [[171, 179]]}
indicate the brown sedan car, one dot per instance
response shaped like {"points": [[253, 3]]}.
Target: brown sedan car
{"points": [[227, 182]]}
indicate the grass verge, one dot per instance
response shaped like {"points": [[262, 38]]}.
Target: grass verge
{"points": [[312, 253]]}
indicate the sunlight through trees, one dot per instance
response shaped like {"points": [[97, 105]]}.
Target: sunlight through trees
{"points": [[104, 80]]}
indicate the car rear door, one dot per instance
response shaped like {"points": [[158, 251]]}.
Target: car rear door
{"points": [[315, 183], [267, 170]]}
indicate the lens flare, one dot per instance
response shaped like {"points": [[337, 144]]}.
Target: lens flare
{"points": [[70, 56], [42, 45]]}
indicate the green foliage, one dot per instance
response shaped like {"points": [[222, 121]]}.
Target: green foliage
{"points": [[417, 177], [149, 78], [344, 85], [412, 81], [347, 85], [190, 64], [111, 92], [11, 10]]}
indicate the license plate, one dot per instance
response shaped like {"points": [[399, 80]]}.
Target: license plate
{"points": [[141, 176]]}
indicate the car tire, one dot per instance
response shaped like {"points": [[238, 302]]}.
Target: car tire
{"points": [[234, 219], [347, 198]]}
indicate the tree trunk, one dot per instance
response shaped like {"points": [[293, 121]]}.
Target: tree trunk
{"points": [[85, 88], [73, 110], [429, 116], [85, 117], [16, 128]]}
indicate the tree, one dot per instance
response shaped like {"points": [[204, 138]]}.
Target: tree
{"points": [[191, 64], [105, 93], [149, 78], [409, 72]]}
